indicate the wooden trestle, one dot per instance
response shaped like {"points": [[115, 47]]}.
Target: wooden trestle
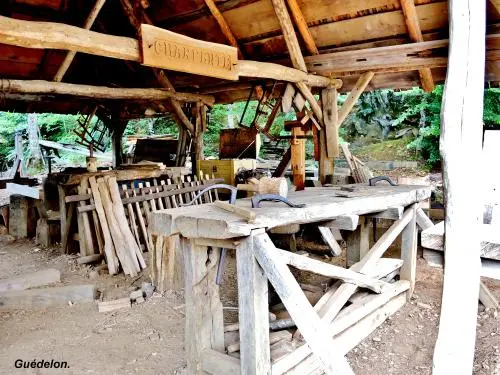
{"points": [[328, 330]]}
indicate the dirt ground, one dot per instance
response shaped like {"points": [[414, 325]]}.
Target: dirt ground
{"points": [[148, 338]]}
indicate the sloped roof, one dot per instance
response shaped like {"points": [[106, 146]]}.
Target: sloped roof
{"points": [[336, 25]]}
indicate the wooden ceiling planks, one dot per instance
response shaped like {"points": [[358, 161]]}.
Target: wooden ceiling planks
{"points": [[356, 30]]}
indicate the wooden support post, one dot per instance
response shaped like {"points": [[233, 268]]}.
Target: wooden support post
{"points": [[116, 138], [409, 251], [253, 312], [413, 25], [21, 216], [461, 129], [71, 54], [326, 164], [204, 320], [354, 95], [358, 242], [330, 121], [298, 153], [197, 152]]}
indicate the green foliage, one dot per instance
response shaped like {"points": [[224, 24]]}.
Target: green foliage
{"points": [[380, 114]]}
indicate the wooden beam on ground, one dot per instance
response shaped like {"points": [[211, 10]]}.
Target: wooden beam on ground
{"points": [[354, 95], [71, 54], [487, 298], [97, 92], [43, 297], [291, 40], [413, 25], [31, 280], [301, 23], [461, 129]]}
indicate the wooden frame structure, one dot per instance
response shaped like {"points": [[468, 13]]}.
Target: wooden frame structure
{"points": [[375, 54], [329, 329]]}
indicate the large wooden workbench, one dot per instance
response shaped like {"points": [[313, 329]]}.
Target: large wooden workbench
{"points": [[329, 329]]}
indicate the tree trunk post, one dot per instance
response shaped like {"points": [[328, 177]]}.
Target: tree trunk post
{"points": [[116, 139], [461, 118]]}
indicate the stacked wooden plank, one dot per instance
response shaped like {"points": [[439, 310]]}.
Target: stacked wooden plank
{"points": [[113, 217], [360, 172]]}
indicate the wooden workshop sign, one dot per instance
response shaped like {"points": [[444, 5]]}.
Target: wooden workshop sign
{"points": [[165, 49]]}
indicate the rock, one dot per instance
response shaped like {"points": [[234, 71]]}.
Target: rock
{"points": [[93, 274], [148, 289], [377, 339], [136, 294], [424, 305], [3, 230]]}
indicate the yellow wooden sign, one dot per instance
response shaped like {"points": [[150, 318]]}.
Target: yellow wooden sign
{"points": [[165, 49]]}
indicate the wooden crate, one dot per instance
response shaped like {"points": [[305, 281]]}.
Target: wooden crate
{"points": [[239, 143], [226, 168]]}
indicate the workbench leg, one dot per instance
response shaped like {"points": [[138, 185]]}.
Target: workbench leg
{"points": [[255, 353], [409, 250], [204, 320], [62, 214], [358, 242]]}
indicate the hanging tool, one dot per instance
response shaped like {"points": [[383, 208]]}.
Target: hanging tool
{"points": [[256, 199]]}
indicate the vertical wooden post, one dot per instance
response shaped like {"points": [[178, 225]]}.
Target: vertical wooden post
{"points": [[116, 139], [298, 148], [204, 319], [62, 214], [253, 312], [461, 129], [329, 138], [409, 251], [358, 242], [197, 153]]}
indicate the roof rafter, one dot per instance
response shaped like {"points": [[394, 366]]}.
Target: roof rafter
{"points": [[71, 54], [301, 23], [413, 25], [159, 73]]}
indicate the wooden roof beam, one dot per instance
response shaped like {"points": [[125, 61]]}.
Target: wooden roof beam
{"points": [[353, 96], [291, 40], [301, 23], [160, 75], [49, 35], [296, 56], [228, 34], [71, 54], [413, 25], [224, 27], [97, 92]]}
